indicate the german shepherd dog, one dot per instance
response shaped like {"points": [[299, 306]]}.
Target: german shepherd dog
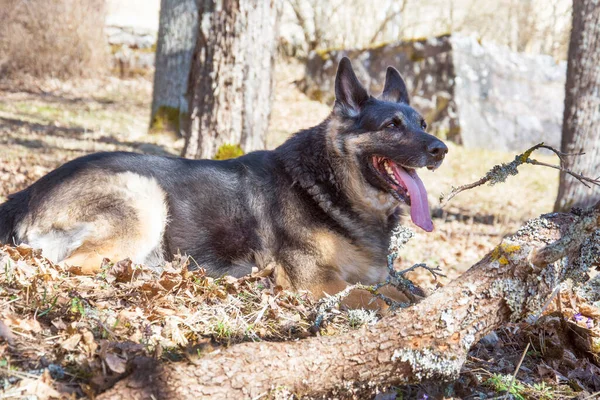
{"points": [[319, 209]]}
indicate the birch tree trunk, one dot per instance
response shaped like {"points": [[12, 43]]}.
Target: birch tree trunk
{"points": [[231, 81], [581, 124], [177, 34]]}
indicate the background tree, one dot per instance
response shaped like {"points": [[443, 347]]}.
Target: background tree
{"points": [[231, 79], [581, 122], [177, 33]]}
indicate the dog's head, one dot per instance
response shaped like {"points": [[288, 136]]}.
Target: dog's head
{"points": [[385, 139]]}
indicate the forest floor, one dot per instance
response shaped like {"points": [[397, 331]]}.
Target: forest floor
{"points": [[83, 331]]}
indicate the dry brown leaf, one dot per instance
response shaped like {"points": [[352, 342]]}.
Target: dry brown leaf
{"points": [[548, 373], [589, 310], [588, 374], [151, 289], [170, 281], [122, 271], [75, 270], [90, 344], [165, 311], [25, 251], [6, 333], [40, 388], [71, 343], [23, 324], [59, 324], [115, 363]]}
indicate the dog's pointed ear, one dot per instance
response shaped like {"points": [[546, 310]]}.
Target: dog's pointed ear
{"points": [[395, 87], [350, 95]]}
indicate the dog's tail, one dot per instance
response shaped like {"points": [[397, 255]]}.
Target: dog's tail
{"points": [[11, 213]]}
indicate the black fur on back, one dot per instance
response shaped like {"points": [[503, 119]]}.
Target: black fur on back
{"points": [[11, 213]]}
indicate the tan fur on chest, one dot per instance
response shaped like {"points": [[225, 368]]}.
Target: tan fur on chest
{"points": [[352, 263]]}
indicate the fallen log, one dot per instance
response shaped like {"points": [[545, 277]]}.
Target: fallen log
{"points": [[430, 340]]}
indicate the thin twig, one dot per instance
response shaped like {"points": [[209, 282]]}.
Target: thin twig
{"points": [[512, 381], [579, 177], [433, 271], [499, 173], [593, 396], [18, 374], [546, 304]]}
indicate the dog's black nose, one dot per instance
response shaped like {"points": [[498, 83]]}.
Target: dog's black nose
{"points": [[437, 149]]}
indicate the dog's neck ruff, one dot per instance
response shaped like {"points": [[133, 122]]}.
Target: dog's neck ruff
{"points": [[306, 160]]}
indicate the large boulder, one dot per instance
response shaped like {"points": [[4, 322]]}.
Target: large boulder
{"points": [[479, 95], [132, 49]]}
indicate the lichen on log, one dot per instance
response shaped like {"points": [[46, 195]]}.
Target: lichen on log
{"points": [[427, 341]]}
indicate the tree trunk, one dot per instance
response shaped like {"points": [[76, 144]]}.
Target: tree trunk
{"points": [[427, 341], [231, 81], [177, 34], [581, 124]]}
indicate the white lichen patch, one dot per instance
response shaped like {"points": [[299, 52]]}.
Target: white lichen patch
{"points": [[464, 300], [281, 393], [550, 274], [524, 297], [591, 290], [400, 236], [499, 173], [589, 257], [428, 364], [447, 320], [470, 288], [467, 341], [533, 227], [360, 317], [535, 303], [514, 292]]}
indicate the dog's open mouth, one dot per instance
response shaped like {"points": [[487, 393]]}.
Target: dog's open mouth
{"points": [[405, 185]]}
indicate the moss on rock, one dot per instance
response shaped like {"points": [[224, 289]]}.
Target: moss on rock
{"points": [[166, 119], [227, 151]]}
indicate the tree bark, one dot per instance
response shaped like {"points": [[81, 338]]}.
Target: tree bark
{"points": [[581, 124], [231, 81], [177, 32], [427, 341]]}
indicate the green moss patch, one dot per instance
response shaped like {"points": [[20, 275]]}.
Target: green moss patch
{"points": [[228, 151], [166, 119]]}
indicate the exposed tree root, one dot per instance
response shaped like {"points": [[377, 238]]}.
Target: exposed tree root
{"points": [[427, 341]]}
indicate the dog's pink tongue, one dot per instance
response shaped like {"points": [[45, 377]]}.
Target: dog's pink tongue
{"points": [[419, 207]]}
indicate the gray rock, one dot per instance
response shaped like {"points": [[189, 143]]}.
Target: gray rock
{"points": [[490, 340], [478, 95], [130, 37], [132, 50]]}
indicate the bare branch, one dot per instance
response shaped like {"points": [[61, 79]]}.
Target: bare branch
{"points": [[514, 376], [296, 7], [499, 173], [579, 177], [433, 271], [388, 18]]}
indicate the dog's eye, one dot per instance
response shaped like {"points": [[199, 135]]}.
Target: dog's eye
{"points": [[392, 125], [423, 124]]}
